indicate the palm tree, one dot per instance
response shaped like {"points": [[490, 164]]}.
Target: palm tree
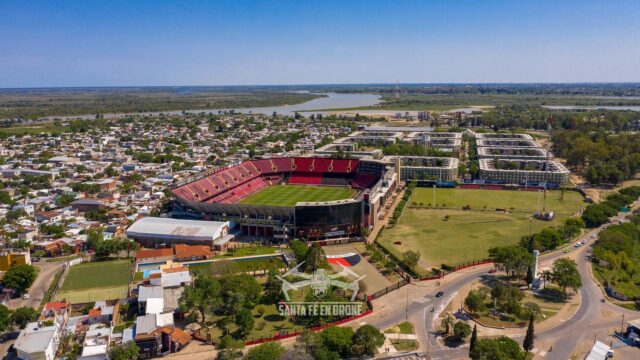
{"points": [[447, 323]]}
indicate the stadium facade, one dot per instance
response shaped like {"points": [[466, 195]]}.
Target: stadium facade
{"points": [[218, 196]]}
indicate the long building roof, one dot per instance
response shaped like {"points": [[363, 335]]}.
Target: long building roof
{"points": [[176, 229]]}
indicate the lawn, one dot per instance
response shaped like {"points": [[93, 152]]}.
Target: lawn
{"points": [[514, 201], [221, 267], [105, 279], [101, 274], [289, 195], [455, 236]]}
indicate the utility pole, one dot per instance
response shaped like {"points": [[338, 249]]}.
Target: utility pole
{"points": [[434, 196], [406, 306]]}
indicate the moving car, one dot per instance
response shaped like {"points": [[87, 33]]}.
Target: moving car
{"points": [[492, 271], [439, 294], [566, 251], [578, 244]]}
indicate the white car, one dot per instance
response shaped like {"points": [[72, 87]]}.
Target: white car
{"points": [[25, 296], [593, 236], [578, 244]]}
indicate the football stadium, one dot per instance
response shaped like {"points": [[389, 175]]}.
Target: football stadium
{"points": [[310, 198]]}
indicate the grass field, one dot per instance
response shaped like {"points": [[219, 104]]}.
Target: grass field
{"points": [[467, 235], [96, 281], [289, 195]]}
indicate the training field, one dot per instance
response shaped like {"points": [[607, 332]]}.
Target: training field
{"points": [[467, 234], [289, 195], [103, 280]]}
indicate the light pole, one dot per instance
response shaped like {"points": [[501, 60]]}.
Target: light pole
{"points": [[530, 219]]}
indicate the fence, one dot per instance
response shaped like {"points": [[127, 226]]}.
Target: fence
{"points": [[73, 262], [388, 289], [287, 335]]}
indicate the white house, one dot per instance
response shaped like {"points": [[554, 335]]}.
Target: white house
{"points": [[37, 342]]}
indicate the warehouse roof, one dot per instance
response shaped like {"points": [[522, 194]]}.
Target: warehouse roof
{"points": [[176, 229]]}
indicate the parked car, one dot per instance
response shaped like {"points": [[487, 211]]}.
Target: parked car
{"points": [[578, 244], [25, 296], [492, 271], [566, 251]]}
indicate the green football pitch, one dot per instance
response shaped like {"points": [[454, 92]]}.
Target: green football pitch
{"points": [[100, 274], [289, 195]]}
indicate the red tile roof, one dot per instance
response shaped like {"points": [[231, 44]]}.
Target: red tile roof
{"points": [[150, 253]]}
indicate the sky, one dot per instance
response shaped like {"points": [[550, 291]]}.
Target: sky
{"points": [[241, 42]]}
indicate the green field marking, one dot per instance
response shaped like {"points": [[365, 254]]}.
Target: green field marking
{"points": [[467, 235], [95, 275], [289, 195]]}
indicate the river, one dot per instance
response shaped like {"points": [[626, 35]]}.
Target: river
{"points": [[330, 101]]}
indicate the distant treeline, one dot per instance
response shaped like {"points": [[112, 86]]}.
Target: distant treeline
{"points": [[33, 104]]}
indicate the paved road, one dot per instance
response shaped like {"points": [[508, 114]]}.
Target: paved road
{"points": [[593, 318], [36, 292]]}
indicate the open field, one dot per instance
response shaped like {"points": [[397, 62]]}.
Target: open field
{"points": [[33, 129], [105, 280], [289, 195], [373, 280], [466, 235]]}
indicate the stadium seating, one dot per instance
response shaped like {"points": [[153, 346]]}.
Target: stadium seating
{"points": [[305, 179], [363, 181], [232, 184]]}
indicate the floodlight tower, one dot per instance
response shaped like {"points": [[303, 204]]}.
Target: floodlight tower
{"points": [[396, 91]]}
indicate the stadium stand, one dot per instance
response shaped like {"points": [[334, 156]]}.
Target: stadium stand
{"points": [[232, 184]]}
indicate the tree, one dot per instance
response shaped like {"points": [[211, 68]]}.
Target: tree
{"points": [[367, 339], [461, 330], [338, 339], [272, 287], [513, 259], [20, 317], [528, 339], [447, 322], [19, 277], [202, 295], [309, 341], [546, 275], [565, 274], [244, 320], [315, 259], [240, 291], [299, 249], [267, 351], [4, 318], [475, 301], [530, 276], [502, 348], [474, 339], [507, 298], [128, 351], [410, 258], [229, 348]]}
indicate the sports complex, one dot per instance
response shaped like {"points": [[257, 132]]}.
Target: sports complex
{"points": [[311, 198]]}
